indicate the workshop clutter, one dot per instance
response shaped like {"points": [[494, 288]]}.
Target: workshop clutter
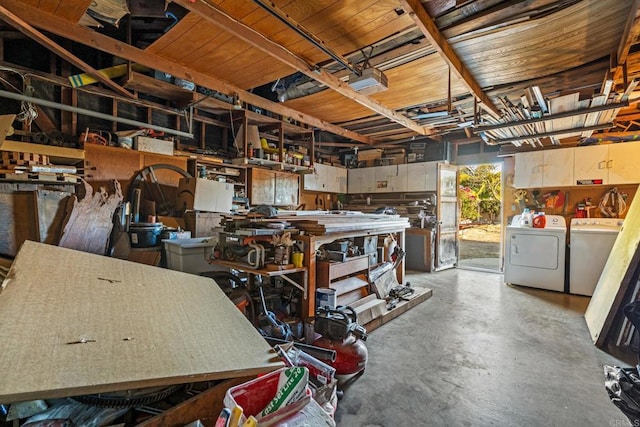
{"points": [[282, 397], [21, 166]]}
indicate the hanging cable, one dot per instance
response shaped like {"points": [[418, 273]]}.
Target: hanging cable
{"points": [[28, 112]]}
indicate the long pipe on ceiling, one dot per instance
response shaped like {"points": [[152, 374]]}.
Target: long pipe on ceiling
{"points": [[90, 113], [308, 36]]}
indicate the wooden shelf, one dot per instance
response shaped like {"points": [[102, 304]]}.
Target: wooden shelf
{"points": [[272, 164], [158, 88], [60, 155]]}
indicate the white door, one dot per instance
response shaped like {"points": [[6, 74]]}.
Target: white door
{"points": [[590, 164], [447, 213], [529, 170], [623, 163], [558, 168]]}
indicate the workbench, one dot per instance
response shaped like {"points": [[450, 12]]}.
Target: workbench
{"points": [[313, 242], [285, 274]]}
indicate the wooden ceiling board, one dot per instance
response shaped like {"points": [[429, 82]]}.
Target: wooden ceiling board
{"points": [[71, 10], [577, 35], [410, 84], [49, 6], [143, 326], [184, 26]]}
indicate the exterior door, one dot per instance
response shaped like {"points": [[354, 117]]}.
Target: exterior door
{"points": [[447, 214]]}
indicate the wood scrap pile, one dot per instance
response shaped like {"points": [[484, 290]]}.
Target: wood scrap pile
{"points": [[535, 116], [18, 166], [336, 223]]}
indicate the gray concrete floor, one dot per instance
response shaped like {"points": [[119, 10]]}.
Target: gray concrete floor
{"points": [[481, 353]]}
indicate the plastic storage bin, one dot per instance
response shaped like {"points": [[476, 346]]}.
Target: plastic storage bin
{"points": [[189, 255]]}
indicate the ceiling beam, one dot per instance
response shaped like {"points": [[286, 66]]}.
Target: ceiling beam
{"points": [[422, 19], [629, 37], [79, 34], [45, 41], [259, 41]]}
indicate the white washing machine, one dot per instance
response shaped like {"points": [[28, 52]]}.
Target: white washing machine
{"points": [[535, 256], [591, 240]]}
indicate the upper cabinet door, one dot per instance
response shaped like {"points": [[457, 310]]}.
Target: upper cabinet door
{"points": [[529, 170], [390, 179], [590, 163], [361, 180], [558, 168], [422, 176], [311, 180], [341, 180], [623, 163]]}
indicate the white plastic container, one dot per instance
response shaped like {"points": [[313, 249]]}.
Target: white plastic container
{"points": [[189, 255]]}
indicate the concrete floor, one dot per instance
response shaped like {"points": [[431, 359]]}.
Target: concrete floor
{"points": [[481, 353]]}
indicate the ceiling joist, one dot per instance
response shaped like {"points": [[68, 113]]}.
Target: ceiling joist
{"points": [[51, 23], [629, 37], [45, 41], [238, 29], [422, 19]]}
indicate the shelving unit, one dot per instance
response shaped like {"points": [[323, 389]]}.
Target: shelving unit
{"points": [[217, 170]]}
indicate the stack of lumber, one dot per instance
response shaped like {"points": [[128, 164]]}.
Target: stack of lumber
{"points": [[536, 116], [347, 221], [20, 166]]}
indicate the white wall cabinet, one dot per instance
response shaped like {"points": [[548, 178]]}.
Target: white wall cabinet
{"points": [[591, 163], [329, 179], [528, 169], [610, 164], [361, 180], [409, 177], [614, 164], [421, 176], [549, 168], [390, 179], [623, 163]]}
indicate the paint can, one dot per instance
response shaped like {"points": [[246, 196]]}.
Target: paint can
{"points": [[326, 298]]}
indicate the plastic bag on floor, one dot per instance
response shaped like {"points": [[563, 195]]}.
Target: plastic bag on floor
{"points": [[623, 384], [623, 387]]}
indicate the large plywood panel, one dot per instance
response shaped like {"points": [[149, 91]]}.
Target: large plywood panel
{"points": [[142, 326], [609, 291]]}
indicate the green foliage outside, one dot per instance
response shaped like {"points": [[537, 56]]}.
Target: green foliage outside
{"points": [[480, 192]]}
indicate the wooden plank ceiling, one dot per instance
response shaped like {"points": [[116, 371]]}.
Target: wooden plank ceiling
{"points": [[563, 46]]}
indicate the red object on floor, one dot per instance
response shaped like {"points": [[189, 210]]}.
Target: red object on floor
{"points": [[351, 354]]}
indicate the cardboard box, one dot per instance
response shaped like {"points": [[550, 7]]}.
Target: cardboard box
{"points": [[152, 145], [202, 224], [198, 194]]}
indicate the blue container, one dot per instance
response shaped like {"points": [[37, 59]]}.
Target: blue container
{"points": [[145, 234]]}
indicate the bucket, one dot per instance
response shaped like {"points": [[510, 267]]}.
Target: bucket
{"points": [[145, 234], [326, 298]]}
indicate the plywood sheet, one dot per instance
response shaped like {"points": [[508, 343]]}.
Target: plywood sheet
{"points": [[609, 291], [144, 326]]}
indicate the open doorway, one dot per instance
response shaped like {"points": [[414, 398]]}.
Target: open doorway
{"points": [[480, 201]]}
